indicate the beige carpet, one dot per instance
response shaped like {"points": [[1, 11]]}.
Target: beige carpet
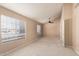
{"points": [[44, 47]]}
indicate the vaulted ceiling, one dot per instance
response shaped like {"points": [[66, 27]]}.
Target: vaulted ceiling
{"points": [[38, 11]]}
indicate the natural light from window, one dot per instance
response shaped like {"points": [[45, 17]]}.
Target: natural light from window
{"points": [[11, 28]]}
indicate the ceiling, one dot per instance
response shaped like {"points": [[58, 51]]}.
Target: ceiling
{"points": [[37, 11]]}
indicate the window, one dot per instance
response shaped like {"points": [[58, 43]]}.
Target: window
{"points": [[11, 28], [39, 29]]}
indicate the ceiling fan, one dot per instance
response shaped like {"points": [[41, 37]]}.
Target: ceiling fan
{"points": [[50, 20]]}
